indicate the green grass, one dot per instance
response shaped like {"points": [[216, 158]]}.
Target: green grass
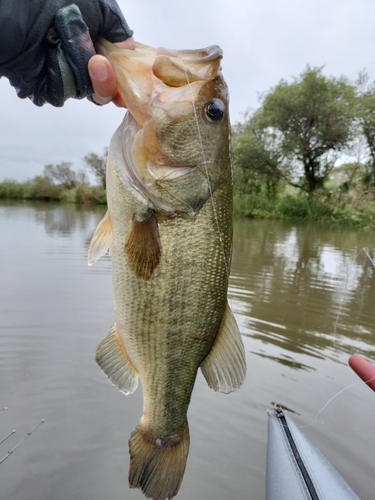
{"points": [[40, 188], [332, 208], [356, 209], [254, 206]]}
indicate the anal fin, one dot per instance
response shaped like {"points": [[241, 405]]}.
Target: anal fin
{"points": [[101, 241], [225, 366], [143, 246], [115, 363]]}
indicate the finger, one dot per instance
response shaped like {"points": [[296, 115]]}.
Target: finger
{"points": [[364, 369], [103, 79]]}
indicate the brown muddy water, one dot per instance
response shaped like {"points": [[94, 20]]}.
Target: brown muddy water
{"points": [[303, 296]]}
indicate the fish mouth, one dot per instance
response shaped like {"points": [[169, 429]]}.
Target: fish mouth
{"points": [[151, 79], [163, 134]]}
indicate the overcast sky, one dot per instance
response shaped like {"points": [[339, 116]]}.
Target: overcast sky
{"points": [[263, 41]]}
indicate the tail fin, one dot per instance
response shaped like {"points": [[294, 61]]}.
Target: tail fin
{"points": [[157, 466]]}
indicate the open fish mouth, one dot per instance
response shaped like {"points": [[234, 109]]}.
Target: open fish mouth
{"points": [[146, 77], [173, 97]]}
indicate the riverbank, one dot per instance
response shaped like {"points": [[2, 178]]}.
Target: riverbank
{"points": [[40, 188], [348, 209]]}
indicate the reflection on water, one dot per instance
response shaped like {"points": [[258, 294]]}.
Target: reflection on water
{"points": [[305, 289], [303, 297]]}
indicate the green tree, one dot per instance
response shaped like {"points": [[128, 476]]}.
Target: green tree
{"points": [[347, 175], [256, 164], [366, 118], [258, 158], [98, 165], [61, 174], [310, 122], [43, 188]]}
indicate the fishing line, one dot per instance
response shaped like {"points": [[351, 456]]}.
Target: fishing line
{"points": [[372, 260], [332, 398], [205, 162], [339, 313], [264, 410]]}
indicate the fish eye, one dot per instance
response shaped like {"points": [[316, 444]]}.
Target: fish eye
{"points": [[214, 110]]}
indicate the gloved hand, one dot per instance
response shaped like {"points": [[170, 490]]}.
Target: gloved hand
{"points": [[45, 45]]}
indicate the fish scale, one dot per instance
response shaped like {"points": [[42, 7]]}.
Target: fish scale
{"points": [[170, 231]]}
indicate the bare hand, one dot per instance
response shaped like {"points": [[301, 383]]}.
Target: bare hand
{"points": [[363, 369], [103, 77]]}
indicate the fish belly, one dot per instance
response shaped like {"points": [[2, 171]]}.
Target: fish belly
{"points": [[169, 322]]}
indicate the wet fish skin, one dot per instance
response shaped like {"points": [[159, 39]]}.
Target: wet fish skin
{"points": [[169, 225]]}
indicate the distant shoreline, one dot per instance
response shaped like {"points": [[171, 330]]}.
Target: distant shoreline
{"points": [[344, 210], [41, 189]]}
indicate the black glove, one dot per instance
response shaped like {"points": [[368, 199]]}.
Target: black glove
{"points": [[45, 45]]}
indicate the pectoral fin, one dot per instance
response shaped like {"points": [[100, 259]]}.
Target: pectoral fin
{"points": [[143, 246], [101, 241], [225, 366], [115, 363]]}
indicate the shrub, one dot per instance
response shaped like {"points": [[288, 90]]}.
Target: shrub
{"points": [[41, 188], [11, 190], [85, 195]]}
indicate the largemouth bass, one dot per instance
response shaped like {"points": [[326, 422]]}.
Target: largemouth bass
{"points": [[169, 229]]}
